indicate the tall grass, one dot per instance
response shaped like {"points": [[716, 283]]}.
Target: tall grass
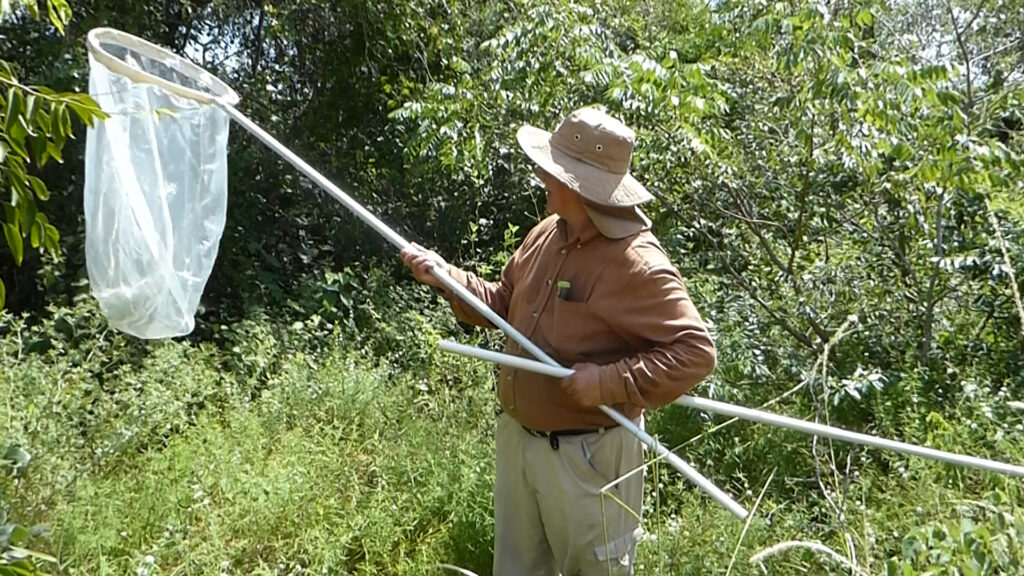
{"points": [[336, 470], [260, 454]]}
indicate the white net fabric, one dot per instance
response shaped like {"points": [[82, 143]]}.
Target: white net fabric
{"points": [[155, 184]]}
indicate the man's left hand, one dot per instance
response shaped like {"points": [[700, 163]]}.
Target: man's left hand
{"points": [[584, 386]]}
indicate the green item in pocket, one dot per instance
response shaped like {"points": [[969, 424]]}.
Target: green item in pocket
{"points": [[563, 289]]}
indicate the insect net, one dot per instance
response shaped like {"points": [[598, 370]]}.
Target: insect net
{"points": [[155, 184]]}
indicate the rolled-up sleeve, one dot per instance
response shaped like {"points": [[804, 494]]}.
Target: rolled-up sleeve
{"points": [[649, 306]]}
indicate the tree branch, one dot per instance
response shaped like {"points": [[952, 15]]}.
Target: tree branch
{"points": [[750, 222], [803, 203], [959, 33], [1009, 270], [742, 282], [258, 54], [995, 51], [930, 299], [732, 214]]}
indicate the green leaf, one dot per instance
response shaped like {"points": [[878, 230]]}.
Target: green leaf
{"points": [[42, 120], [28, 211], [86, 108], [948, 98], [33, 10], [3, 293], [56, 125], [60, 127], [23, 121], [17, 146], [14, 109], [59, 12], [865, 17], [51, 239], [37, 146], [14, 242], [65, 122], [36, 235], [31, 107], [54, 151], [19, 535], [3, 151], [26, 553], [18, 130], [39, 188], [19, 568], [16, 178]]}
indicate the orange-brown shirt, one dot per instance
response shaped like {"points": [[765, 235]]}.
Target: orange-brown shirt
{"points": [[626, 310]]}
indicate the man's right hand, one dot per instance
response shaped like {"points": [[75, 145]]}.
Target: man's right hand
{"points": [[422, 261]]}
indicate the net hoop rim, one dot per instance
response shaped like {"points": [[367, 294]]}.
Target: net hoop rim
{"points": [[96, 35]]}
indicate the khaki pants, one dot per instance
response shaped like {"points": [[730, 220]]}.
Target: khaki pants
{"points": [[550, 516]]}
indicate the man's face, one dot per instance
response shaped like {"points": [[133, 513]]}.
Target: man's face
{"points": [[559, 196]]}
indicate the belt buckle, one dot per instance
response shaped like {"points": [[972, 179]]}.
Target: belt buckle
{"points": [[552, 437]]}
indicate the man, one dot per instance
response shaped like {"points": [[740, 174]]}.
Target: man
{"points": [[592, 287]]}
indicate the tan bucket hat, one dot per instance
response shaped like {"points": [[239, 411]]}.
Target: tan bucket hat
{"points": [[590, 152]]}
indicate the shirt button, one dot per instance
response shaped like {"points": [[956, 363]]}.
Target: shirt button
{"points": [[563, 250], [549, 281], [534, 313]]}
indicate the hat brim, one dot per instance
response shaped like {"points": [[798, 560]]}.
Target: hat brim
{"points": [[617, 222], [590, 182]]}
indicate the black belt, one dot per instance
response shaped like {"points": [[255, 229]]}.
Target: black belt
{"points": [[552, 437]]}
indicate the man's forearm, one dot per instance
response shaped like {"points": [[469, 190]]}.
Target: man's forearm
{"points": [[493, 294], [658, 376]]}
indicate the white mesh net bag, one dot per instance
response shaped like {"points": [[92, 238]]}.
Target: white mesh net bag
{"points": [[155, 184]]}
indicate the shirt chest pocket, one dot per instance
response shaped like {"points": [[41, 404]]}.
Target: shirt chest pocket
{"points": [[578, 331]]}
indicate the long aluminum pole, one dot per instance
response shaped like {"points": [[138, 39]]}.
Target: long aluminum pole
{"points": [[846, 435], [761, 416], [472, 300]]}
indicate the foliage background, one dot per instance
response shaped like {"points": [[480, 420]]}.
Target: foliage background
{"points": [[838, 181]]}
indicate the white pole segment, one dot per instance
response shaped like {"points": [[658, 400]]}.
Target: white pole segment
{"points": [[559, 372], [506, 359], [315, 176], [679, 464], [761, 416], [846, 436], [468, 297]]}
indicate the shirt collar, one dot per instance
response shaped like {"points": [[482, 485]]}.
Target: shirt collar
{"points": [[588, 233]]}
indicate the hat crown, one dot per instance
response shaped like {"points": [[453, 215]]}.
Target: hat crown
{"points": [[591, 136]]}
